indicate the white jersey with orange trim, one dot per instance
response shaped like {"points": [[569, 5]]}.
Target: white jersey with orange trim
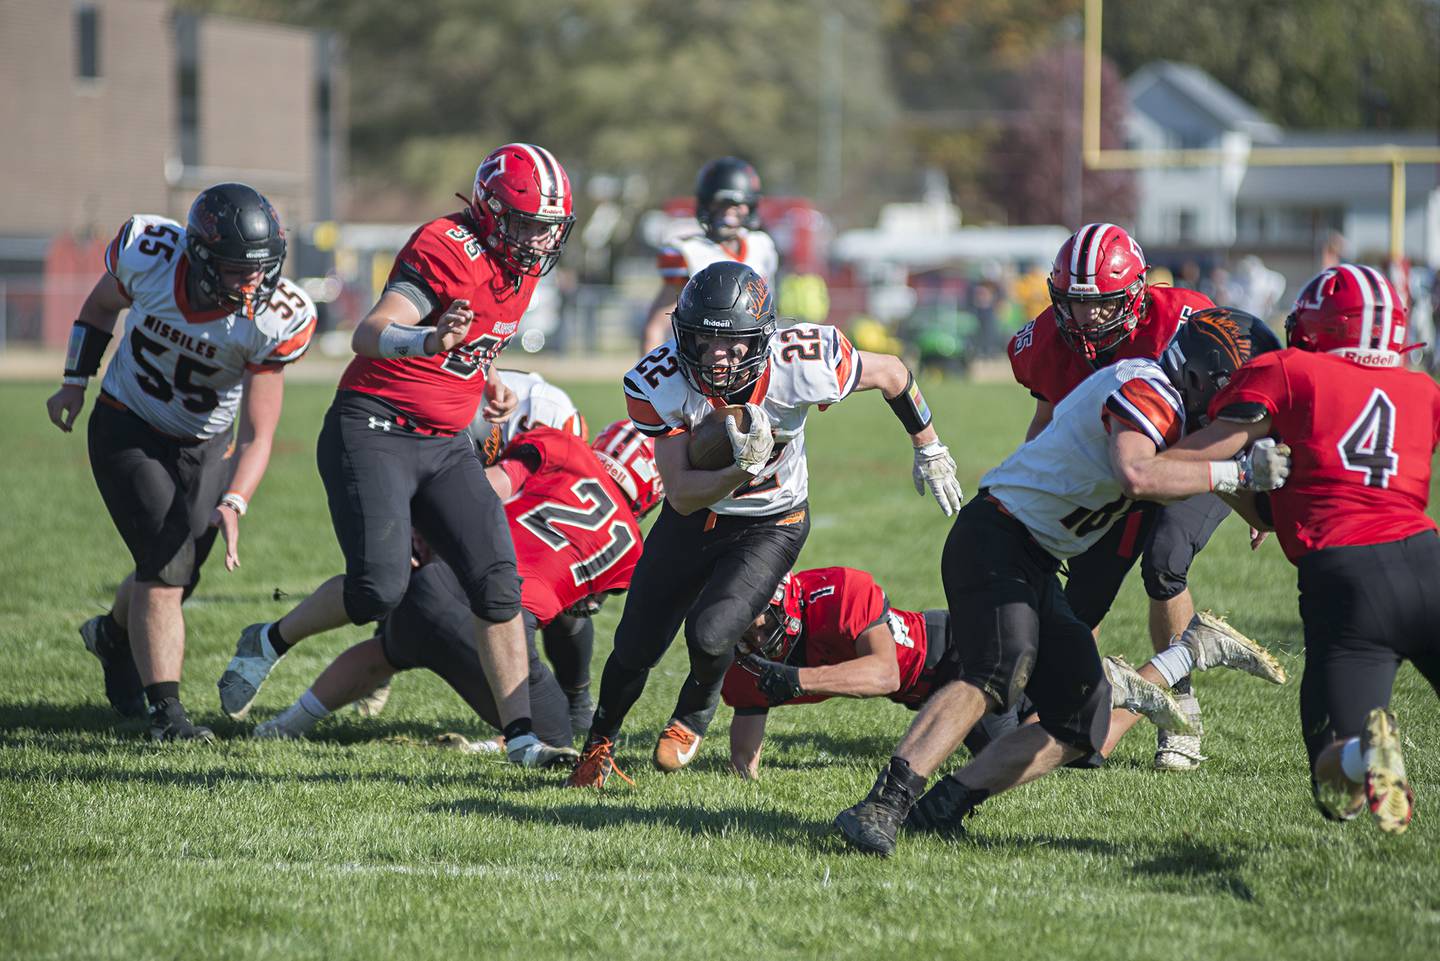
{"points": [[538, 403], [810, 365], [181, 369], [1061, 485], [686, 255]]}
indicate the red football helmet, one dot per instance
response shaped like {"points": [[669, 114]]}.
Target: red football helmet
{"points": [[785, 609], [1352, 311], [522, 202], [629, 457], [1101, 269]]}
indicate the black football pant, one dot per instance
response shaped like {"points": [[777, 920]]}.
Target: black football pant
{"points": [[381, 478], [713, 573], [433, 628], [1365, 609]]}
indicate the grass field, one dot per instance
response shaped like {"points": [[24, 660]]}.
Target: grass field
{"points": [[361, 843]]}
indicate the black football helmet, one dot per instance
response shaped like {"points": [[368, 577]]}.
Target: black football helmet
{"points": [[1207, 349], [233, 225], [726, 299], [724, 181]]}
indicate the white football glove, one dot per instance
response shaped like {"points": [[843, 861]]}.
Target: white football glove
{"points": [[1265, 465], [752, 448], [935, 469]]}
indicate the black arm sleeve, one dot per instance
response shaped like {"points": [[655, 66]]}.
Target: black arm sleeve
{"points": [[414, 288]]}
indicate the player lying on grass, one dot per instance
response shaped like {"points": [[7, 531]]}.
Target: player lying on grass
{"points": [[832, 633], [1051, 500], [573, 511], [1352, 520]]}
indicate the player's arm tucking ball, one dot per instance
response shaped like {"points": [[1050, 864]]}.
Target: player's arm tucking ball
{"points": [[1202, 462], [90, 335], [688, 489], [934, 467]]}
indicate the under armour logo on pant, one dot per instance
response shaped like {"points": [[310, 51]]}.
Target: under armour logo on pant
{"points": [[379, 423]]}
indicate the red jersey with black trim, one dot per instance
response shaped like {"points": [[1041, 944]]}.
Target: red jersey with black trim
{"points": [[838, 605], [575, 535], [1361, 441], [443, 392], [1050, 368]]}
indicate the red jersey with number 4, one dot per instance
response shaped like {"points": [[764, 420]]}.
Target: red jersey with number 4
{"points": [[840, 604], [574, 533], [1051, 368], [444, 391], [1361, 441]]}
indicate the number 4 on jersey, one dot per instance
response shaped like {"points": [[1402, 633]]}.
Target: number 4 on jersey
{"points": [[1367, 445]]}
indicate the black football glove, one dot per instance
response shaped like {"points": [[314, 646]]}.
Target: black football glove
{"points": [[778, 682]]}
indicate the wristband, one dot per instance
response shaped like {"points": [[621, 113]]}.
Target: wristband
{"points": [[235, 502], [403, 340], [1224, 476], [75, 380], [909, 405], [87, 345]]}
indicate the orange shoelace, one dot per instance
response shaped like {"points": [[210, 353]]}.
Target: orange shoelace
{"points": [[678, 732], [596, 763]]}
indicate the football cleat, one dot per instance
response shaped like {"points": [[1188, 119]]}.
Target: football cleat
{"points": [[1391, 799], [871, 825], [527, 750], [943, 808], [1214, 643], [254, 659], [275, 729], [169, 722], [676, 747], [1132, 692], [373, 703], [1178, 751], [597, 762], [123, 687]]}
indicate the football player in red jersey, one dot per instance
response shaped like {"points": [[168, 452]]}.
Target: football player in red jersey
{"points": [[854, 645], [1102, 310], [1363, 431], [393, 449], [210, 329], [574, 511]]}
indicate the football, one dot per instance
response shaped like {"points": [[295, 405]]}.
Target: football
{"points": [[710, 443]]}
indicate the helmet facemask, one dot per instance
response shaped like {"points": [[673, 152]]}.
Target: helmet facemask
{"points": [[698, 365], [528, 244], [1120, 313]]}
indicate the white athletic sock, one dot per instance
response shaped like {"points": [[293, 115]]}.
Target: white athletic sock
{"points": [[299, 718], [1352, 761], [1174, 663], [311, 705]]}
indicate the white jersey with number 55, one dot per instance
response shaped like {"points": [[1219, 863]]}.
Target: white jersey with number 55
{"points": [[1061, 484], [810, 365], [179, 368]]}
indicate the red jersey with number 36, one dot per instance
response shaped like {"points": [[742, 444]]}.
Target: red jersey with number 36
{"points": [[444, 259], [840, 604], [1050, 368], [1361, 439], [575, 535]]}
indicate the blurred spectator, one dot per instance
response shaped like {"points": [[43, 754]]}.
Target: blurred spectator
{"points": [[1189, 276], [1256, 288]]}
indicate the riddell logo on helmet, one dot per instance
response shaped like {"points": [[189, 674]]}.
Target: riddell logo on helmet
{"points": [[716, 322], [258, 254]]}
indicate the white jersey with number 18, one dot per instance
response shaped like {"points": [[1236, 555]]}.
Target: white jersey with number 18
{"points": [[178, 368]]}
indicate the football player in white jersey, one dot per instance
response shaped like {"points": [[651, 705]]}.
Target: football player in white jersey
{"points": [[1049, 501], [210, 321], [725, 537], [727, 207], [538, 403]]}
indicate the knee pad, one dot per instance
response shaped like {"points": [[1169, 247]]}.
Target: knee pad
{"points": [[714, 631], [497, 597], [368, 600], [1165, 567]]}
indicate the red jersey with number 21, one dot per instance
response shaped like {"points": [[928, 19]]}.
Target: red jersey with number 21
{"points": [[575, 535], [1361, 441], [444, 391]]}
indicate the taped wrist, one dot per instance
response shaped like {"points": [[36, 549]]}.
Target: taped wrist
{"points": [[909, 405], [87, 346], [403, 340], [1225, 476]]}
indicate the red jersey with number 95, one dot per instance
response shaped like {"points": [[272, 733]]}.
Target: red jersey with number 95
{"points": [[575, 535], [443, 262], [1361, 439]]}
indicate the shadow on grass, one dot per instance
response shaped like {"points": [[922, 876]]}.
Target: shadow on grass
{"points": [[594, 812], [1187, 864]]}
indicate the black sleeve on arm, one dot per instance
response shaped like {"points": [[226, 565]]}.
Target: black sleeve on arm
{"points": [[1245, 412], [413, 287]]}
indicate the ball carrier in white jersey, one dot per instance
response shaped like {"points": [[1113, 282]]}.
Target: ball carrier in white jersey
{"points": [[727, 208], [210, 321], [1050, 501], [725, 537]]}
